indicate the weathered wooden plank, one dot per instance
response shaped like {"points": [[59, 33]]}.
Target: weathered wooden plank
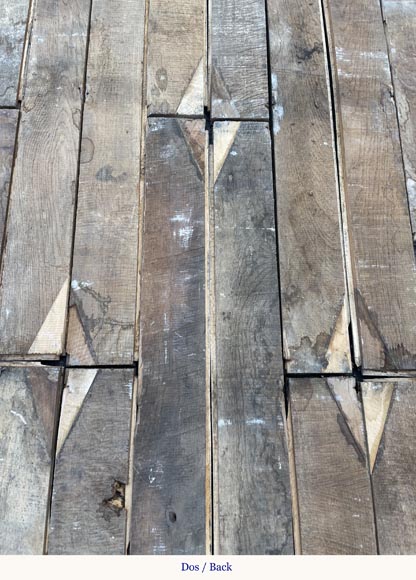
{"points": [[238, 59], [334, 490], [389, 408], [8, 125], [314, 296], [13, 19], [88, 513], [252, 495], [28, 407], [104, 271], [375, 189], [169, 495], [35, 269], [400, 18], [176, 68]]}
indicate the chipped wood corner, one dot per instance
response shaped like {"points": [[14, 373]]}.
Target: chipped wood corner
{"points": [[192, 102], [377, 398], [338, 354], [224, 136]]}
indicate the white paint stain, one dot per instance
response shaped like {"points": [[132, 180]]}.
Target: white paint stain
{"points": [[255, 422], [278, 114], [19, 416], [224, 422], [185, 235], [75, 285]]}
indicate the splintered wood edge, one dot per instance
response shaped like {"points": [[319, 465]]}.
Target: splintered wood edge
{"points": [[224, 135], [26, 45], [338, 352], [129, 485], [376, 402], [337, 141], [208, 424], [192, 102], [293, 481]]}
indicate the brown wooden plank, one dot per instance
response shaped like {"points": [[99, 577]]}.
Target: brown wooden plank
{"points": [[8, 125], [400, 18], [313, 287], [238, 59], [168, 515], [389, 407], [88, 513], [104, 272], [334, 490], [176, 69], [375, 189], [13, 19], [251, 486], [35, 269], [28, 407]]}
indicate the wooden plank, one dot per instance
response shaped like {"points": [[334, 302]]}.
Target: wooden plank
{"points": [[389, 407], [313, 286], [375, 189], [35, 269], [176, 68], [252, 491], [400, 18], [334, 490], [169, 494], [8, 125], [29, 399], [88, 513], [104, 272], [13, 19], [238, 60]]}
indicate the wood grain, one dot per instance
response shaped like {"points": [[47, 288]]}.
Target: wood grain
{"points": [[334, 490], [375, 188], [29, 399], [313, 287], [400, 18], [88, 513], [8, 125], [252, 496], [104, 271], [394, 471], [169, 494], [176, 57], [13, 19], [238, 59], [36, 261]]}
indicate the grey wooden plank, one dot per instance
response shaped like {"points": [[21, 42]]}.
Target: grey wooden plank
{"points": [[333, 482], [29, 402], [252, 502], [36, 258], [389, 407], [176, 55], [104, 271], [8, 125], [384, 273], [238, 59], [169, 487], [88, 514], [313, 287], [400, 18], [13, 20]]}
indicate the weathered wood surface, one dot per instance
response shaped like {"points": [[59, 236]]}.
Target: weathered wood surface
{"points": [[8, 125], [104, 272], [238, 59], [176, 54], [28, 407], [334, 491], [313, 287], [389, 408], [88, 514], [400, 18], [375, 189], [13, 20], [252, 495], [169, 495], [36, 260]]}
